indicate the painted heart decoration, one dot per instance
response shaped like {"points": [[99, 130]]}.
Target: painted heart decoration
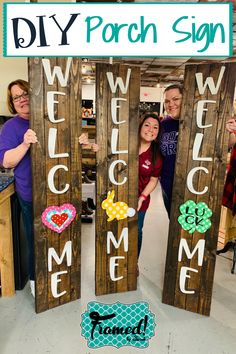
{"points": [[58, 218]]}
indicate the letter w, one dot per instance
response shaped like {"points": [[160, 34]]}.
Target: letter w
{"points": [[56, 72], [52, 253], [209, 82], [119, 82]]}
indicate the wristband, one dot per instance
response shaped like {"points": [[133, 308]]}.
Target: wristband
{"points": [[144, 196]]}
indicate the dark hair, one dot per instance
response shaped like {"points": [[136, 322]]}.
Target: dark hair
{"points": [[174, 86], [24, 85], [155, 143]]}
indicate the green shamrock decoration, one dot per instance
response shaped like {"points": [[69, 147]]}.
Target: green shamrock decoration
{"points": [[195, 216]]}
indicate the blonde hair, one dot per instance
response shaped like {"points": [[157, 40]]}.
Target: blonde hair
{"points": [[24, 85]]}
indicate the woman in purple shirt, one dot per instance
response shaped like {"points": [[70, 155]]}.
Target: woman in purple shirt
{"points": [[15, 141], [169, 140]]}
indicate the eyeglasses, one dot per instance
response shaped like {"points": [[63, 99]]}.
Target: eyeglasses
{"points": [[18, 98], [174, 100]]}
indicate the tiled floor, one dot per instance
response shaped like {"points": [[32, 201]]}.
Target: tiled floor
{"points": [[178, 332]]}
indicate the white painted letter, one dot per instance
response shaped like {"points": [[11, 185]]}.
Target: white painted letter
{"points": [[119, 82], [51, 174], [56, 72], [111, 172], [209, 82], [52, 137], [114, 141], [200, 110], [124, 236], [114, 107], [67, 250], [54, 282], [113, 264], [190, 180], [196, 148], [50, 106], [199, 247], [182, 279]]}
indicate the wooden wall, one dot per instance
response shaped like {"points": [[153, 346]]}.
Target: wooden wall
{"points": [[126, 192], [199, 279], [68, 131]]}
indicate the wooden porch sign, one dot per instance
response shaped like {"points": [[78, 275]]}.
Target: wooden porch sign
{"points": [[199, 177], [56, 163], [117, 95]]}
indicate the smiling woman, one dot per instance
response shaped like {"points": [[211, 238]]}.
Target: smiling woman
{"points": [[15, 141], [20, 101], [150, 164]]}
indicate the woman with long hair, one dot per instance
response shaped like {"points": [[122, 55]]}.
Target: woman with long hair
{"points": [[150, 163]]}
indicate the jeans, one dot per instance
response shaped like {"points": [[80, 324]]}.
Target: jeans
{"points": [[27, 216], [141, 216]]}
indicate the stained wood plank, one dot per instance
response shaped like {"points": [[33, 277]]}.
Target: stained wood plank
{"points": [[132, 177], [53, 239], [214, 145], [68, 107], [76, 175], [38, 153], [105, 157], [102, 178], [170, 279]]}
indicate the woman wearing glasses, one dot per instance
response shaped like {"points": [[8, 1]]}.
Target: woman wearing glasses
{"points": [[15, 140]]}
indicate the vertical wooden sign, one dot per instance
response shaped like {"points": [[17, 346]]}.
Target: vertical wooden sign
{"points": [[199, 177], [117, 95], [56, 165]]}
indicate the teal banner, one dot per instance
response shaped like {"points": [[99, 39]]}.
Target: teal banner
{"points": [[118, 325]]}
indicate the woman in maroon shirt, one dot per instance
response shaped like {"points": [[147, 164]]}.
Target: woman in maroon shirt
{"points": [[150, 163]]}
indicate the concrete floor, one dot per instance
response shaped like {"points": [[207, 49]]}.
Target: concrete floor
{"points": [[58, 331]]}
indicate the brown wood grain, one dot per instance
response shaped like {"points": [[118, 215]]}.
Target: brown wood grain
{"points": [[102, 178], [126, 192], [132, 177], [38, 153], [68, 107], [214, 145], [75, 95], [7, 283]]}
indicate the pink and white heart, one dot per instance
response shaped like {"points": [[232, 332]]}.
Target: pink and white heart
{"points": [[58, 218]]}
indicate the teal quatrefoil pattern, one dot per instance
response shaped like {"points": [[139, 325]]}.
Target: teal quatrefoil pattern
{"points": [[195, 216], [118, 325]]}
